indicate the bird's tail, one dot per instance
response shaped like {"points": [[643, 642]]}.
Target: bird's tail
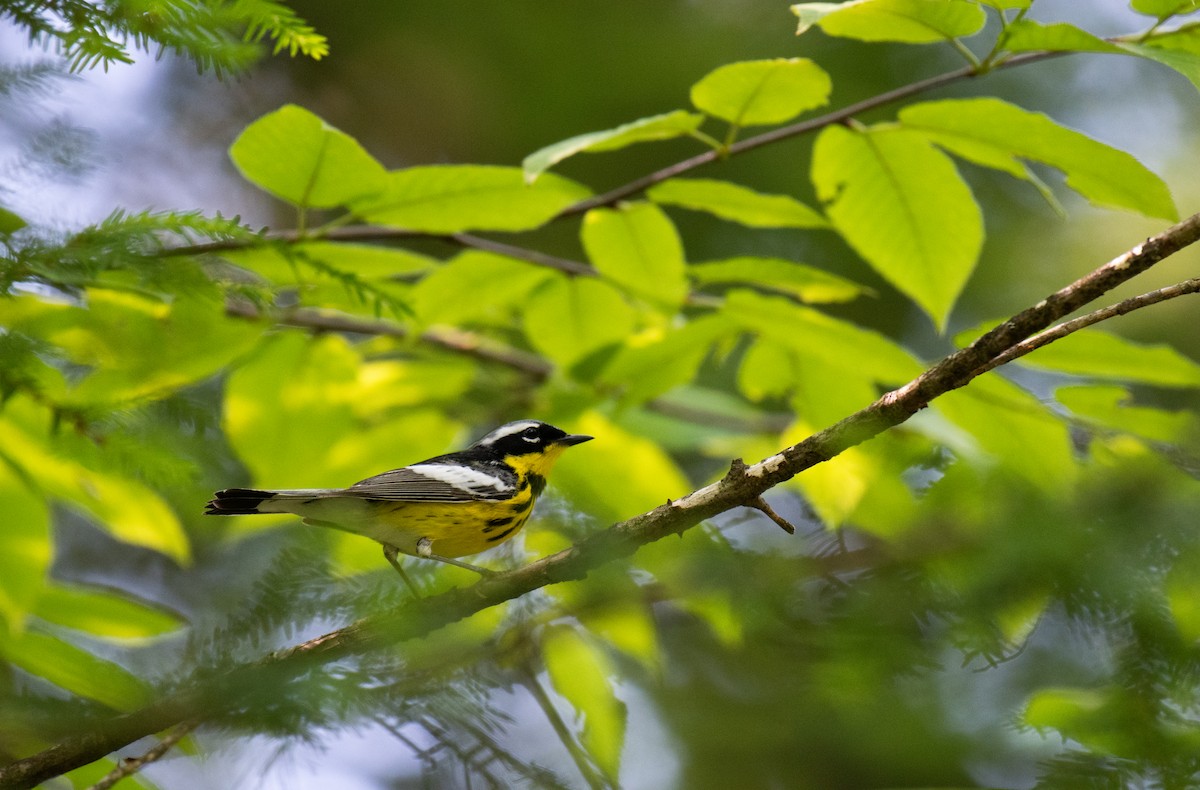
{"points": [[236, 502]]}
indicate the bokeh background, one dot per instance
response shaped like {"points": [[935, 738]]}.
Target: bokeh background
{"points": [[447, 81]]}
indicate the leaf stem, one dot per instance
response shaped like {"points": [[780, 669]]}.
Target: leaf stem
{"points": [[582, 761]]}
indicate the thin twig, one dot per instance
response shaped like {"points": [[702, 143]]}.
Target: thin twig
{"points": [[582, 761], [1074, 325], [131, 765]]}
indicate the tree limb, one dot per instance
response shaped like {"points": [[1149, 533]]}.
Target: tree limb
{"points": [[741, 486]]}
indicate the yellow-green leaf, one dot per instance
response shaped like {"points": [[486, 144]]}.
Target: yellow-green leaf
{"points": [[907, 21], [637, 247], [581, 672], [996, 134], [806, 283], [454, 198], [1092, 352], [902, 205], [296, 156], [567, 318], [1111, 407], [657, 127], [1026, 35], [105, 614], [759, 92], [476, 288], [25, 548], [74, 669], [736, 203]]}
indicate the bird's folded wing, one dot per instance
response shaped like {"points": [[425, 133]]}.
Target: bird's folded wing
{"points": [[435, 483]]}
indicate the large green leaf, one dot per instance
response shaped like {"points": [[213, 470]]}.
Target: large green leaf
{"points": [[660, 360], [806, 283], [908, 21], [580, 671], [995, 134], [25, 547], [286, 265], [1185, 61], [736, 203], [117, 342], [637, 247], [1004, 425], [1026, 35], [122, 506], [667, 126], [759, 92], [10, 223], [104, 614], [1164, 8], [296, 156], [567, 318], [74, 669], [901, 204], [1091, 352], [1110, 407], [814, 334], [454, 198], [476, 288]]}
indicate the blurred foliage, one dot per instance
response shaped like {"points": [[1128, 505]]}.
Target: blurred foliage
{"points": [[1001, 592]]}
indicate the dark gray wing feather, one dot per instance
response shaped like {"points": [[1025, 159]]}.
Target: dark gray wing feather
{"points": [[408, 485]]}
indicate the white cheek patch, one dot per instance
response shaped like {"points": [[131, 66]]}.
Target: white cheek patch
{"points": [[507, 430], [463, 478]]}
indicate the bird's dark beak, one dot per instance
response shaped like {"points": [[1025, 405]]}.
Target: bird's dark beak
{"points": [[574, 438]]}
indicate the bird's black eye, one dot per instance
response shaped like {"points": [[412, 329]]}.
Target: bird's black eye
{"points": [[530, 434]]}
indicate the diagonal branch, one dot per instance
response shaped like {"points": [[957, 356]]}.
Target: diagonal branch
{"points": [[743, 485]]}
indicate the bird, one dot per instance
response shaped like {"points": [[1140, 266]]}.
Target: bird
{"points": [[440, 509]]}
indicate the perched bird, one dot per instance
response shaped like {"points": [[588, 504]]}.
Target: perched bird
{"points": [[446, 507]]}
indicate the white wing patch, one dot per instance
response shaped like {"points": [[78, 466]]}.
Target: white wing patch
{"points": [[464, 478], [506, 430]]}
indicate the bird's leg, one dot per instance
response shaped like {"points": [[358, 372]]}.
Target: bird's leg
{"points": [[425, 550], [389, 553]]}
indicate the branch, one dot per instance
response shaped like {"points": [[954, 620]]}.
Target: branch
{"points": [[131, 765], [742, 486]]}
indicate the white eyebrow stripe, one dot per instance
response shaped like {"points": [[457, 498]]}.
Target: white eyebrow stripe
{"points": [[462, 477], [505, 430]]}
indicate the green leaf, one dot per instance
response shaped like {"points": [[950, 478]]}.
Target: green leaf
{"points": [[580, 672], [1110, 407], [1005, 4], [105, 614], [651, 364], [74, 670], [1164, 8], [1091, 352], [476, 288], [994, 133], [124, 507], [299, 158], [736, 203], [901, 204], [25, 547], [625, 473], [637, 247], [285, 265], [1005, 425], [757, 92], [907, 21], [1185, 62], [567, 318], [667, 126], [10, 223], [1026, 35], [806, 283], [455, 198], [1096, 718], [1185, 38], [814, 334]]}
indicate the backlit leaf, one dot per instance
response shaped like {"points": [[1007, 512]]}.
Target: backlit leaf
{"points": [[476, 288], [74, 670], [736, 203], [1026, 35], [454, 198], [996, 134], [104, 614], [907, 21], [637, 247], [580, 672], [902, 205], [1111, 407], [296, 156], [759, 92], [1092, 352], [25, 548], [806, 283], [569, 317], [657, 127]]}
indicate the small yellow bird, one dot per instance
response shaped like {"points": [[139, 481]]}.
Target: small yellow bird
{"points": [[445, 507]]}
